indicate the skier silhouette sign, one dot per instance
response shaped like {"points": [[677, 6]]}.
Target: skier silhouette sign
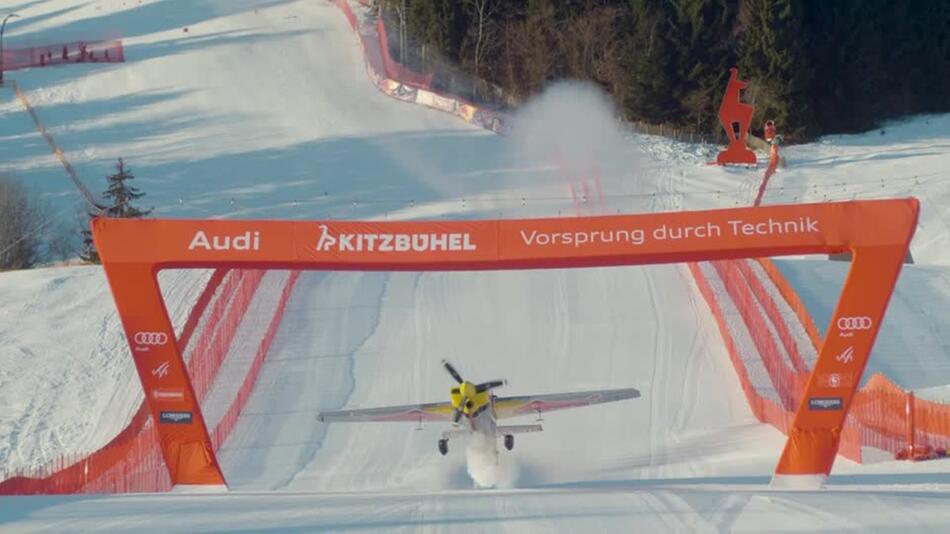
{"points": [[735, 117]]}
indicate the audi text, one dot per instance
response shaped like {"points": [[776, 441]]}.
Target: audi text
{"points": [[246, 241]]}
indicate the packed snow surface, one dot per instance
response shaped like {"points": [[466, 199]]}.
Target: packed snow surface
{"points": [[263, 110]]}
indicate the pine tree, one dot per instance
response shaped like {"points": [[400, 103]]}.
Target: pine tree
{"points": [[772, 56], [120, 194], [846, 45], [815, 66], [652, 64], [706, 52]]}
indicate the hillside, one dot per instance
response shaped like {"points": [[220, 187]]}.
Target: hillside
{"points": [[264, 110]]}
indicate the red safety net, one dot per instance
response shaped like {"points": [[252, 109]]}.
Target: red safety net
{"points": [[787, 384], [759, 313], [108, 51], [223, 429], [132, 461], [215, 338], [883, 415], [395, 70], [401, 83]]}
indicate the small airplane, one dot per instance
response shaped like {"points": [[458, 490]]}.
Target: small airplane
{"points": [[481, 408]]}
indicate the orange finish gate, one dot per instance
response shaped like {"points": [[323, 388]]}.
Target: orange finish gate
{"points": [[877, 233]]}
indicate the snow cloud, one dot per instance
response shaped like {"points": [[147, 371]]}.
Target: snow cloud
{"points": [[573, 127]]}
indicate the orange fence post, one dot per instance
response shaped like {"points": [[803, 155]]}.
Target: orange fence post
{"points": [[909, 410], [182, 434]]}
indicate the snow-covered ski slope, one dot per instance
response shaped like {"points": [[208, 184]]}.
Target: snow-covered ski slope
{"points": [[912, 348], [67, 385], [263, 109], [544, 331]]}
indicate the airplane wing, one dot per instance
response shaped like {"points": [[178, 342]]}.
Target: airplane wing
{"points": [[435, 411], [534, 404]]}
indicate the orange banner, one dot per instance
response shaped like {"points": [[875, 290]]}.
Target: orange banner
{"points": [[876, 232]]}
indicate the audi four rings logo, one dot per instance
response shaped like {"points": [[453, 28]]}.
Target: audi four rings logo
{"points": [[855, 323], [150, 338]]}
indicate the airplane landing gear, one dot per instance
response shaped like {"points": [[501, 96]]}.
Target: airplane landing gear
{"points": [[444, 446], [509, 441]]}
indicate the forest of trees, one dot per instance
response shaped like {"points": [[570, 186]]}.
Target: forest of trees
{"points": [[815, 66]]}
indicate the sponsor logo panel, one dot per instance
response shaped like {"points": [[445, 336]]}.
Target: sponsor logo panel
{"points": [[824, 403], [835, 380], [847, 326], [402, 242], [161, 371], [405, 93], [432, 100], [176, 394], [150, 338], [846, 355], [175, 418], [467, 111], [249, 240], [144, 341], [656, 232]]}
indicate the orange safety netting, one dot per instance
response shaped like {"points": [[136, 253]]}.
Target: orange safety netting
{"points": [[107, 51], [787, 383], [883, 415], [226, 424], [132, 461]]}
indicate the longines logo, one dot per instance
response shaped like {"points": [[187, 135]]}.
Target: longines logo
{"points": [[372, 242], [175, 418]]}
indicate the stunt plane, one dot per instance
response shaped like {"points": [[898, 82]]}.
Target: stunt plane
{"points": [[481, 408]]}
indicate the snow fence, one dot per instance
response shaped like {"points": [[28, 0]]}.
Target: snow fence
{"points": [[132, 461], [882, 415], [399, 82], [106, 51]]}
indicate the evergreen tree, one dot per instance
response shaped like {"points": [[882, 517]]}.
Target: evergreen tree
{"points": [[120, 196], [772, 57], [815, 66], [652, 64], [706, 52], [845, 50], [433, 24]]}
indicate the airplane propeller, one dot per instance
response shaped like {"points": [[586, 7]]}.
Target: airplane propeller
{"points": [[485, 386], [455, 374], [479, 388]]}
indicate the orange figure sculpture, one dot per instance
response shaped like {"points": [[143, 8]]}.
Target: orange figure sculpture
{"points": [[774, 140], [735, 117], [768, 131]]}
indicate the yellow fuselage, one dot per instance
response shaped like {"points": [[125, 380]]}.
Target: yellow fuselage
{"points": [[467, 400]]}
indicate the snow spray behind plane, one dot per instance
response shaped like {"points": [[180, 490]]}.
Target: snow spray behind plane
{"points": [[573, 127]]}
